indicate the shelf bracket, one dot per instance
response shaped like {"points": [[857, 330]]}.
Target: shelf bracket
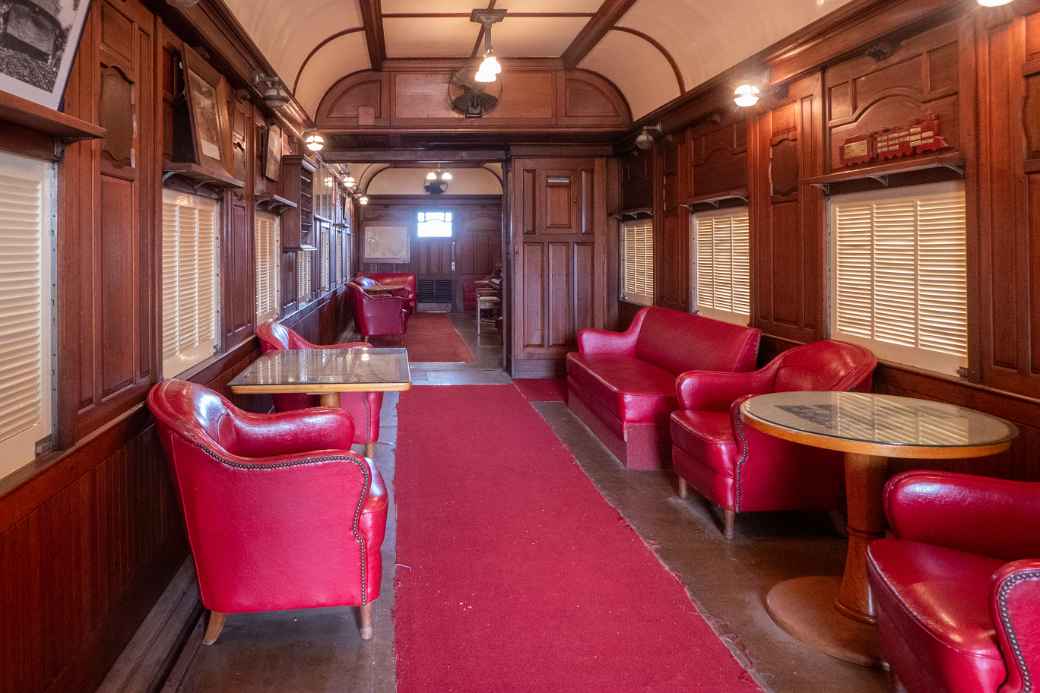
{"points": [[956, 168], [883, 180]]}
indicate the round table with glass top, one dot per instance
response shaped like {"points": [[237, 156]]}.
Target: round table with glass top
{"points": [[836, 615]]}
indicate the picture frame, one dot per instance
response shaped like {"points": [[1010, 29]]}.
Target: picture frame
{"points": [[387, 244], [273, 152], [207, 98], [38, 41]]}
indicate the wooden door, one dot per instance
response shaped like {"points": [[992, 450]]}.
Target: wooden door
{"points": [[558, 225]]}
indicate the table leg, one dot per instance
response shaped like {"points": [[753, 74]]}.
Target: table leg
{"points": [[330, 399], [836, 615]]}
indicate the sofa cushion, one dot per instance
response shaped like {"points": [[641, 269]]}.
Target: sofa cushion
{"points": [[707, 439], [935, 602], [632, 390], [678, 342]]}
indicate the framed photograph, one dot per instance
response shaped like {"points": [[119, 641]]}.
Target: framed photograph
{"points": [[387, 244], [38, 40], [207, 106], [273, 152]]}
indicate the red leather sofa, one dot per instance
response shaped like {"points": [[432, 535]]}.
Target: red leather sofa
{"points": [[280, 513], [364, 407], [403, 283], [378, 315], [957, 586], [740, 469], [622, 384]]}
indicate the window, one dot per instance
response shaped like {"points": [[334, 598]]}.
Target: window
{"points": [[325, 249], [722, 264], [268, 267], [899, 262], [434, 224], [190, 280], [303, 276], [26, 287], [347, 239], [637, 262], [338, 240]]}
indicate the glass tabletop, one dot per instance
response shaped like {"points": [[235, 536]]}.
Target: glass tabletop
{"points": [[879, 419], [327, 368]]}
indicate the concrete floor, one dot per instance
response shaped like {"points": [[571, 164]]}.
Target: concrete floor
{"points": [[319, 650]]}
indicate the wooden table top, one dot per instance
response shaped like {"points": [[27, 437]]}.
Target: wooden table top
{"points": [[883, 425], [318, 371]]}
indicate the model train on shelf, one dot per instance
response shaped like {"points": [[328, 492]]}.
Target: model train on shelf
{"points": [[920, 137]]}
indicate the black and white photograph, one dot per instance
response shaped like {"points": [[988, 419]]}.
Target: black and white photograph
{"points": [[38, 41]]}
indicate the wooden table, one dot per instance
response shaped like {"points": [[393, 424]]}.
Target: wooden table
{"points": [[836, 615], [326, 372]]}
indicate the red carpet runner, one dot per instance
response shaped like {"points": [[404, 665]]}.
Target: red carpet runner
{"points": [[432, 337], [515, 575]]}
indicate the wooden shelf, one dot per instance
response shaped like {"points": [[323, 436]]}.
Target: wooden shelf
{"points": [[27, 114], [275, 204], [880, 172], [199, 175], [637, 213], [713, 200]]}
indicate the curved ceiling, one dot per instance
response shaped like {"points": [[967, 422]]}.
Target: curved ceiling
{"points": [[410, 181], [653, 50]]}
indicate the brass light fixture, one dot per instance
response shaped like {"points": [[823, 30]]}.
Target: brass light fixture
{"points": [[272, 91], [437, 181], [314, 140], [490, 68]]}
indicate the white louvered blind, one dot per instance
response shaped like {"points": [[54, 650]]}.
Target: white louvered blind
{"points": [[268, 267], [637, 262], [303, 276], [190, 287], [26, 244], [722, 264], [326, 259], [900, 274], [337, 242]]}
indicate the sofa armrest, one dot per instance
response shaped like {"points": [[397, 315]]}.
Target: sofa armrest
{"points": [[717, 390], [1016, 594], [976, 514], [593, 342], [291, 432]]}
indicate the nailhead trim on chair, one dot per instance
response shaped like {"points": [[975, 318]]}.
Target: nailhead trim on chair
{"points": [[744, 451], [1005, 618], [352, 459]]}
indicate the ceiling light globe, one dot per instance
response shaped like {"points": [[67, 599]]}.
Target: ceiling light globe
{"points": [[994, 3], [314, 141], [349, 182], [485, 76], [363, 200], [431, 175], [746, 95], [446, 176]]}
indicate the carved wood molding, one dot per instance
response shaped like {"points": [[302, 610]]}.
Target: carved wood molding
{"points": [[372, 17]]}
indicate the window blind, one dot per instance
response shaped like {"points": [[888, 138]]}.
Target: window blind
{"points": [[303, 276], [722, 264], [26, 243], [900, 274], [189, 271], [268, 267], [325, 249], [337, 242], [637, 262]]}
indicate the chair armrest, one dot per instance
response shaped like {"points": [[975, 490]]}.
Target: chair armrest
{"points": [[976, 514], [593, 342], [717, 390], [1014, 607], [292, 432]]}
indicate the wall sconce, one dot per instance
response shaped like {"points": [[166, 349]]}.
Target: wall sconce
{"points": [[272, 91], [645, 139], [313, 140], [349, 181], [363, 200], [746, 95]]}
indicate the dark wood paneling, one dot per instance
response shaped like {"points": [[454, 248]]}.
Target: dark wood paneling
{"points": [[672, 224], [636, 180], [719, 157]]}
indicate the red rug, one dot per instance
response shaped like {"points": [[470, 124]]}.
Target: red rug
{"points": [[542, 389], [513, 573], [433, 337]]}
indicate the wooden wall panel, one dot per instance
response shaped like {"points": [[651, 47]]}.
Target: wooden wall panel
{"points": [[719, 159], [672, 224]]}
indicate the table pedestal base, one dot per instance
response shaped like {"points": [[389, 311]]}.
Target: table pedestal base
{"points": [[804, 607]]}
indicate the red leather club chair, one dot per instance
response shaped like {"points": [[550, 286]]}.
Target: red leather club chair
{"points": [[404, 284], [364, 407], [740, 469], [280, 513], [957, 585], [378, 315], [622, 384]]}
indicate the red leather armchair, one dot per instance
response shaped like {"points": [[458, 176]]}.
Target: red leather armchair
{"points": [[280, 513], [378, 315], [741, 469], [364, 407], [957, 586], [403, 283], [622, 384]]}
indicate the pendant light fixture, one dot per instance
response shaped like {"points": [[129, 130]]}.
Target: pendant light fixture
{"points": [[437, 181], [490, 68], [313, 140], [349, 181]]}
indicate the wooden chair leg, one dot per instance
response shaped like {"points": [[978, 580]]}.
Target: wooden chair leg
{"points": [[366, 621], [729, 518], [370, 450], [213, 628], [683, 489]]}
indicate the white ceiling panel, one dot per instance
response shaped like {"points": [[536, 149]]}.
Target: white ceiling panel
{"points": [[335, 60], [436, 6], [638, 69], [549, 5], [429, 38], [522, 37]]}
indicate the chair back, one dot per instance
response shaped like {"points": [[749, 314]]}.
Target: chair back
{"points": [[824, 365], [274, 336], [678, 342], [193, 412]]}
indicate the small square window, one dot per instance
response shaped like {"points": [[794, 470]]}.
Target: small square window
{"points": [[436, 224]]}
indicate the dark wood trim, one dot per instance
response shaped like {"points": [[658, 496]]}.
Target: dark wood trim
{"points": [[28, 114], [372, 17], [568, 150], [434, 201], [664, 51], [321, 44], [593, 32]]}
